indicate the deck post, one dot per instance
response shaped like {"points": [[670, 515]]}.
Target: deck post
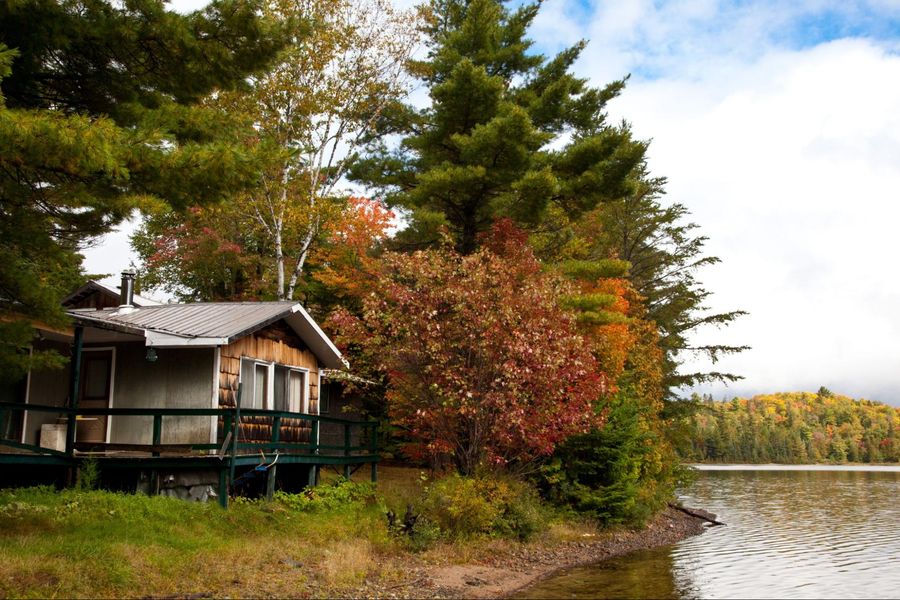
{"points": [[157, 432], [223, 487], [276, 429], [237, 431], [74, 381], [157, 440], [74, 388], [271, 474], [312, 476], [347, 450], [373, 449]]}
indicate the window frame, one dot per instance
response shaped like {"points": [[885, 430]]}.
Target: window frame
{"points": [[304, 392], [268, 400]]}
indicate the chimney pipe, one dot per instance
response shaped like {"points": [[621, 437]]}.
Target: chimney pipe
{"points": [[126, 291]]}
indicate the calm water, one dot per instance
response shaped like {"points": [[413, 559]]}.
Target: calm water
{"points": [[813, 533]]}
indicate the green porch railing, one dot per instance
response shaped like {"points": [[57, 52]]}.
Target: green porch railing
{"points": [[231, 451], [228, 415]]}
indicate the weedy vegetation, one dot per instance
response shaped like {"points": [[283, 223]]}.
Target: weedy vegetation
{"points": [[327, 540]]}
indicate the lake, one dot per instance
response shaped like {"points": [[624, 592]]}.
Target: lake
{"points": [[792, 532]]}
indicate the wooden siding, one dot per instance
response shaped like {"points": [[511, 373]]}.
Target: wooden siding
{"points": [[279, 344]]}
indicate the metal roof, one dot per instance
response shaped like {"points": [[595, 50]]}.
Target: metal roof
{"points": [[211, 324]]}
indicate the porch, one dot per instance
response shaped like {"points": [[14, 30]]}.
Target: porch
{"points": [[237, 452]]}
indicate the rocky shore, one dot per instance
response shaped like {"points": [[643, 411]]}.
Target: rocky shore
{"points": [[503, 573]]}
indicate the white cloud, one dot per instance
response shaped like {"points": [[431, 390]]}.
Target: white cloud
{"points": [[790, 165]]}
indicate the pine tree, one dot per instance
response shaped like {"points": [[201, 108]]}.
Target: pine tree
{"points": [[664, 256], [509, 133]]}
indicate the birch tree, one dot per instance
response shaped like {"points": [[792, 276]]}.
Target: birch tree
{"points": [[322, 100]]}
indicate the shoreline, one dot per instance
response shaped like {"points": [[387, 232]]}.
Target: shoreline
{"points": [[862, 467], [505, 573]]}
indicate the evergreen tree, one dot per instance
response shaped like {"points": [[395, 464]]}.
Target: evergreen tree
{"points": [[493, 142], [99, 116], [664, 255]]}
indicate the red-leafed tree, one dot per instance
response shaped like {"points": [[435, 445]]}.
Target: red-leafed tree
{"points": [[202, 254], [483, 366]]}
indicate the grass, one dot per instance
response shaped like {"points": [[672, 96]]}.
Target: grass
{"points": [[77, 543], [93, 543]]}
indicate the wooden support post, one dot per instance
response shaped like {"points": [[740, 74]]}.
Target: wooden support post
{"points": [[276, 429], [223, 488], [270, 482], [312, 477], [347, 450], [373, 449], [74, 388], [157, 433], [237, 433], [272, 473]]}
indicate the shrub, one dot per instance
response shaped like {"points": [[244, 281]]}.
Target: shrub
{"points": [[473, 337], [424, 534], [88, 475], [467, 506], [341, 493]]}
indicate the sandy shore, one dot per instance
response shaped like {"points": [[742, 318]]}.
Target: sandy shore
{"points": [[504, 573]]}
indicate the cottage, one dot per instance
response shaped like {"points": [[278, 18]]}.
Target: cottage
{"points": [[192, 383]]}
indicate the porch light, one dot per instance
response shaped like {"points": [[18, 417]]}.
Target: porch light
{"points": [[151, 355]]}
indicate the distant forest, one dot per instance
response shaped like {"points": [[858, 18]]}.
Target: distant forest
{"points": [[794, 427]]}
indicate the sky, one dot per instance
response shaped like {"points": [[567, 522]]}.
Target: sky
{"points": [[777, 124]]}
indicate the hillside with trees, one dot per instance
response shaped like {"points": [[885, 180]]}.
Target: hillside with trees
{"points": [[795, 427]]}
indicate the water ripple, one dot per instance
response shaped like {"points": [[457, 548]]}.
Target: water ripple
{"points": [[790, 534]]}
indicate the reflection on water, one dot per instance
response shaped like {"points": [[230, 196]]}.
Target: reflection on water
{"points": [[643, 575], [790, 534]]}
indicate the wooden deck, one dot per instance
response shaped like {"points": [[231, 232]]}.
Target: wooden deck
{"points": [[233, 449]]}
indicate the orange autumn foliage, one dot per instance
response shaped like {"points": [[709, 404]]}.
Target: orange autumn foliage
{"points": [[348, 266]]}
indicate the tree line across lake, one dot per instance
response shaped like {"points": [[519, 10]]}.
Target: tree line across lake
{"points": [[794, 427]]}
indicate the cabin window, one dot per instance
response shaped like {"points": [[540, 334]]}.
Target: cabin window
{"points": [[256, 383], [96, 377], [274, 387], [296, 388], [290, 389], [260, 386], [324, 398]]}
